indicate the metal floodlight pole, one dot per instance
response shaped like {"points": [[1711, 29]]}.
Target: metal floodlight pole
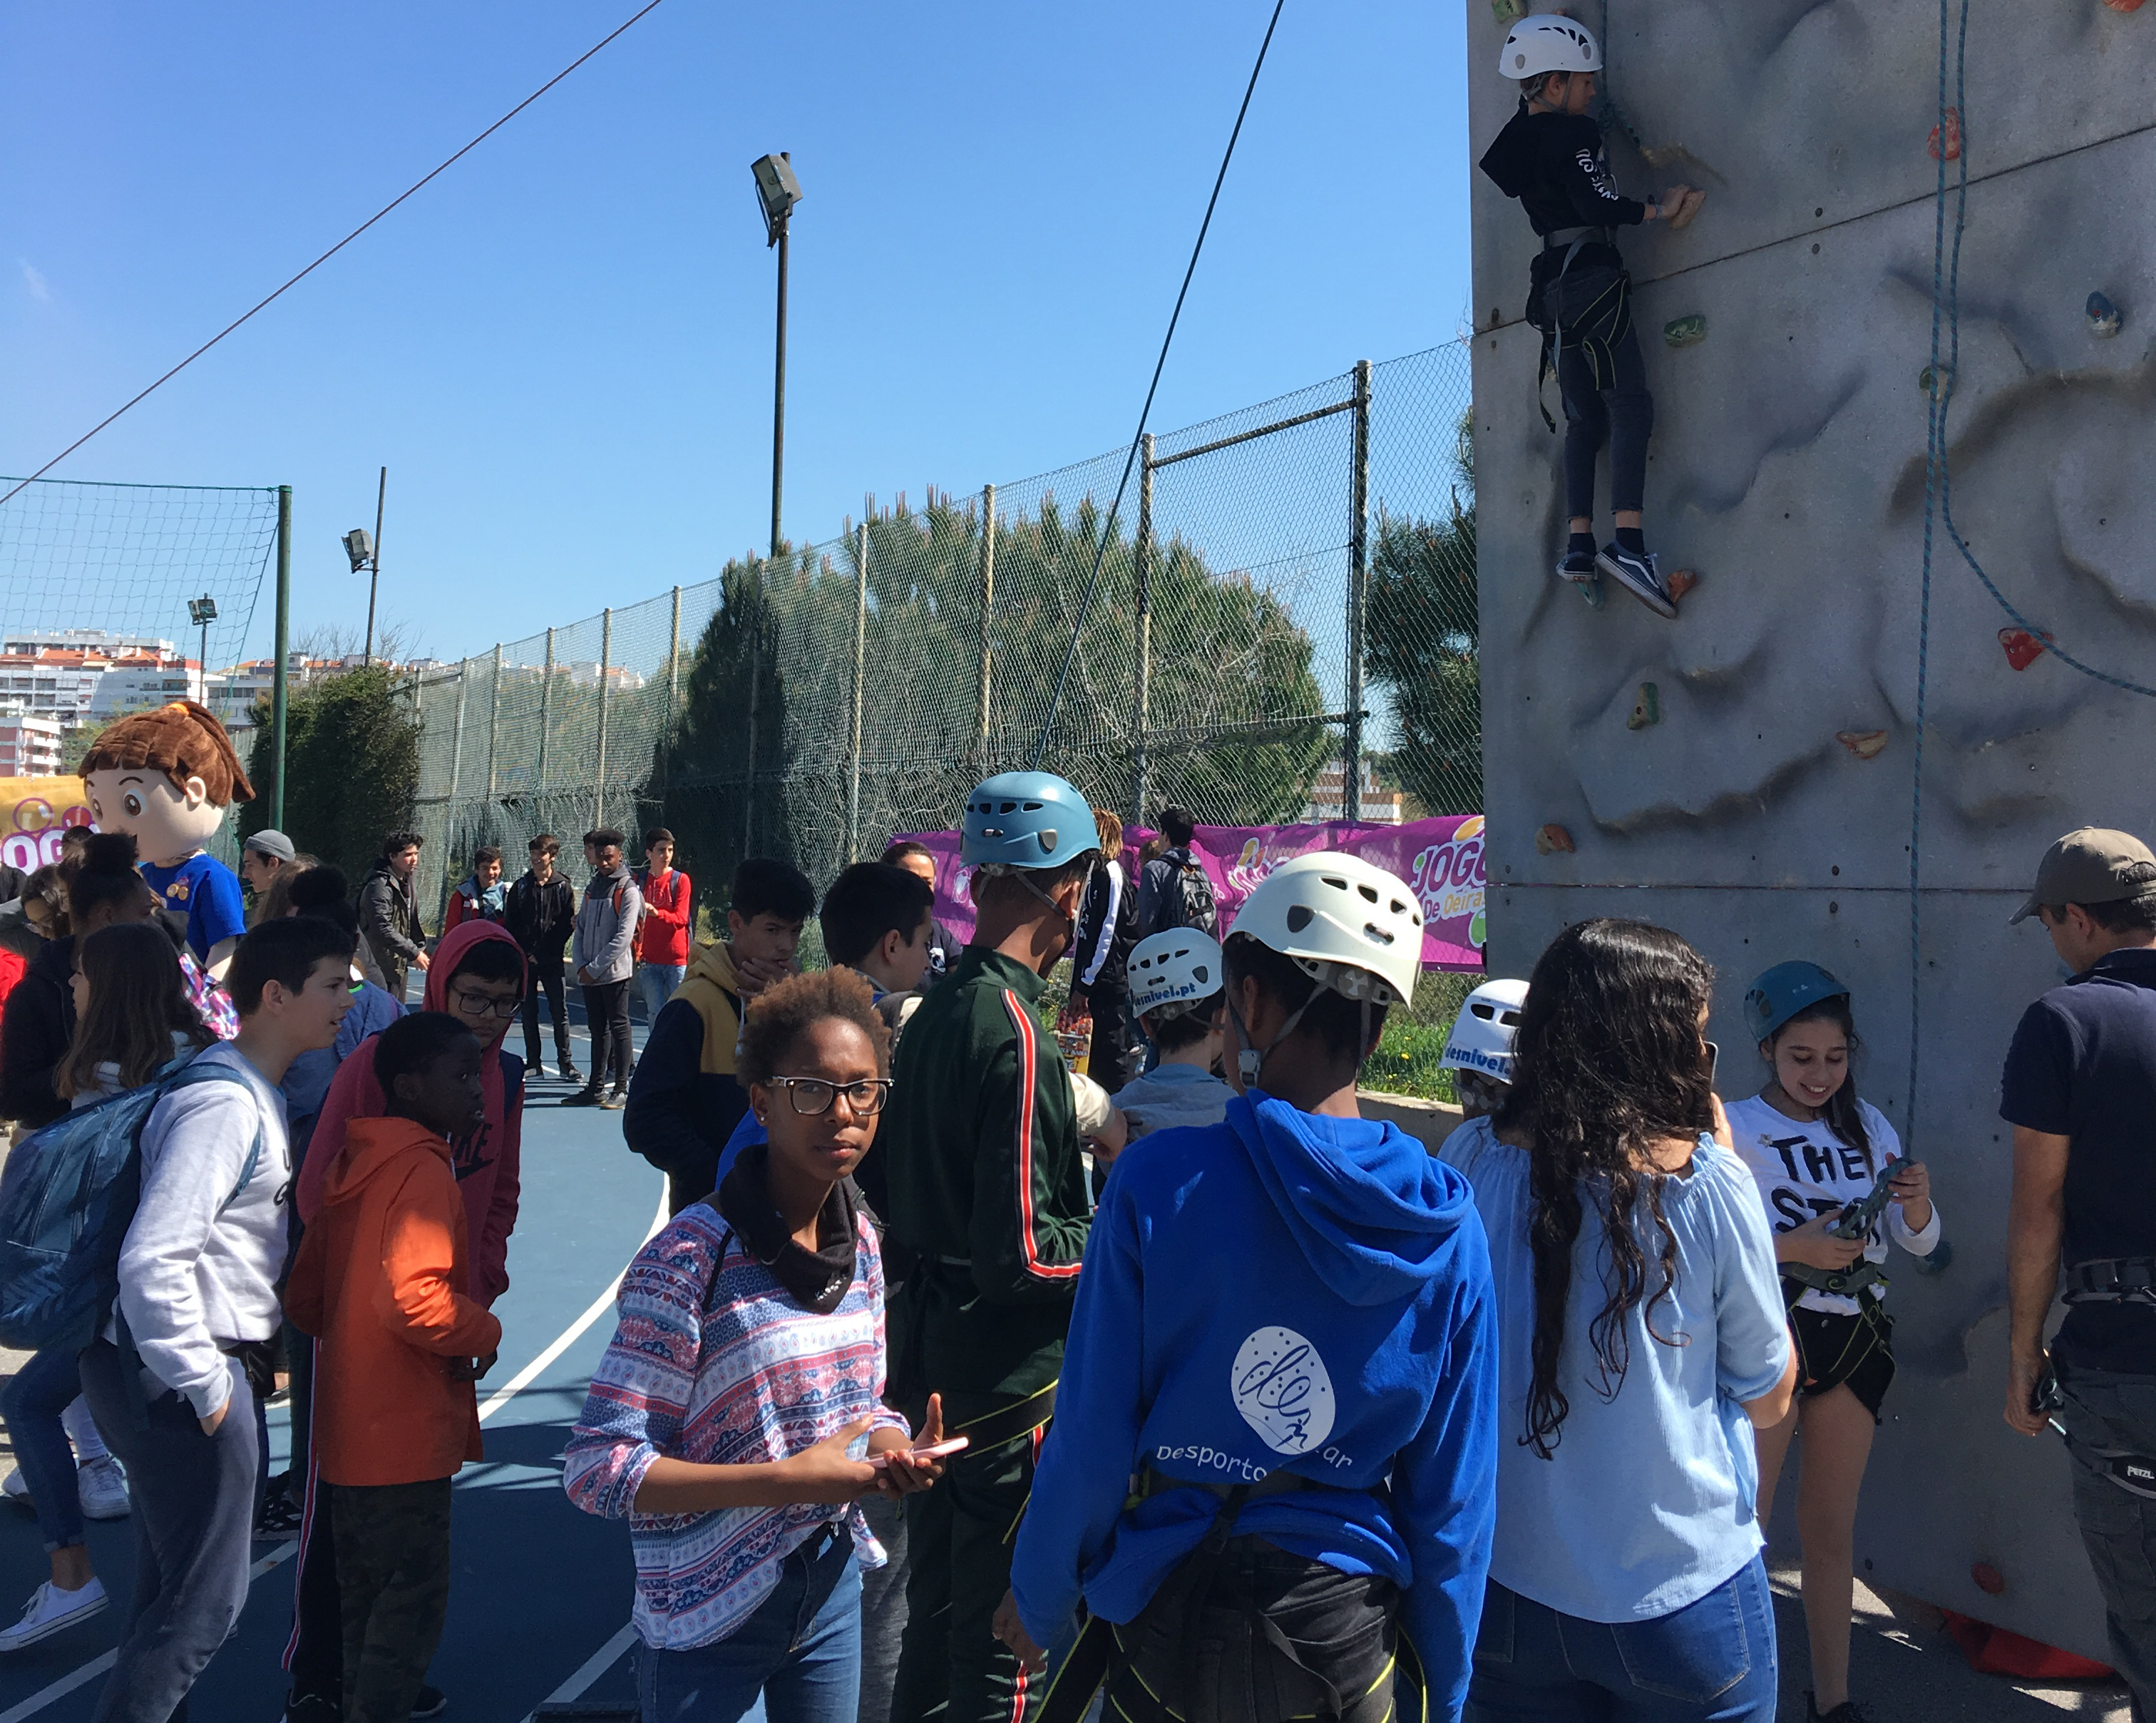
{"points": [[374, 569], [284, 643], [1358, 594], [778, 191]]}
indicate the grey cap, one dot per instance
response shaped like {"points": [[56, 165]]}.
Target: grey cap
{"points": [[2091, 865], [272, 843]]}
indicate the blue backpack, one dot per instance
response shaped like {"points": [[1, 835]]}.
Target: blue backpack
{"points": [[66, 1201]]}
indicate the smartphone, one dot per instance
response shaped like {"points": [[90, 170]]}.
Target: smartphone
{"points": [[941, 1450]]}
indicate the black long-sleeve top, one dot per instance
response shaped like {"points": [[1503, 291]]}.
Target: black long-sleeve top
{"points": [[1556, 166], [34, 1034]]}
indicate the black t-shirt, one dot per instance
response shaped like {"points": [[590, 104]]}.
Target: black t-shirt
{"points": [[2083, 1067], [1556, 166]]}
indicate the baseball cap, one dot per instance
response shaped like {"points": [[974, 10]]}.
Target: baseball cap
{"points": [[272, 843], [2091, 865]]}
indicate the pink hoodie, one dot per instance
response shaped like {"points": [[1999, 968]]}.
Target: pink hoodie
{"points": [[486, 1162]]}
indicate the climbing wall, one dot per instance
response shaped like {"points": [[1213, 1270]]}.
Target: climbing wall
{"points": [[1744, 774]]}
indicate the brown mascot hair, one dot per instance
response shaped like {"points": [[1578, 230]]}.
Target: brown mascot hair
{"points": [[182, 740]]}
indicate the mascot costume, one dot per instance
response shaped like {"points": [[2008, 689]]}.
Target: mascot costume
{"points": [[168, 776]]}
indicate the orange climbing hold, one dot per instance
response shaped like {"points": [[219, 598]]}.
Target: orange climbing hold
{"points": [[1680, 581], [2023, 648], [1864, 744], [1553, 839], [2123, 5], [1951, 128]]}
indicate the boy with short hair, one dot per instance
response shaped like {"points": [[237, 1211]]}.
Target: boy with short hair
{"points": [[389, 914], [664, 936], [1176, 993], [604, 950], [381, 1278], [541, 912], [197, 1308], [917, 859], [683, 1100], [481, 897]]}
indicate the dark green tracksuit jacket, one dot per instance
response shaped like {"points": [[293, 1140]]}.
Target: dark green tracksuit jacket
{"points": [[983, 1183]]}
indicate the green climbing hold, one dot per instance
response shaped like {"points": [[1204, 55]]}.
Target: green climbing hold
{"points": [[1929, 383], [1591, 590], [1647, 709], [1686, 331], [1478, 931], [1509, 12]]}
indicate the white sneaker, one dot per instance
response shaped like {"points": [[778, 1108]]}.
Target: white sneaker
{"points": [[16, 1487], [52, 1611], [103, 1487]]}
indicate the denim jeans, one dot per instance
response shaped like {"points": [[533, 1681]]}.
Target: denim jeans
{"points": [[658, 981], [2118, 1530], [1712, 1661], [1613, 408], [801, 1650], [32, 1403]]}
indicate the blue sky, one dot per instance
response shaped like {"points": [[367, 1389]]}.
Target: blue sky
{"points": [[562, 348]]}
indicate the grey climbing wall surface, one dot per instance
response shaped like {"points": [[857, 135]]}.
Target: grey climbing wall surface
{"points": [[1759, 798]]}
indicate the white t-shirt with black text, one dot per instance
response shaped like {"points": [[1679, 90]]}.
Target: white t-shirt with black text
{"points": [[1805, 1170]]}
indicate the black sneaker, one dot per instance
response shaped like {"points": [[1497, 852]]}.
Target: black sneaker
{"points": [[570, 1073], [280, 1516], [313, 1708], [1639, 576], [1846, 1712], [1578, 566], [432, 1702], [583, 1097]]}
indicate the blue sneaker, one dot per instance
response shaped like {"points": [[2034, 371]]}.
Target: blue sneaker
{"points": [[1639, 576], [1578, 566]]}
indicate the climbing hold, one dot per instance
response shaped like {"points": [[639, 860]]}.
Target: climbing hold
{"points": [[1591, 590], [1940, 1260], [1681, 216], [2103, 315], [2123, 5], [1551, 839], [1680, 581], [1510, 11], [1989, 1579], [1686, 331], [1927, 379], [2023, 648], [1864, 744], [1647, 709], [1950, 128]]}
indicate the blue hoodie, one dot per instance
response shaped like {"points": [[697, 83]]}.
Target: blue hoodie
{"points": [[1279, 1289]]}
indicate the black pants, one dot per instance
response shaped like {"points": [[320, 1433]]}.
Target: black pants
{"points": [[606, 1012], [2118, 1529], [393, 1559], [1111, 1061], [1604, 386], [547, 975], [314, 1656]]}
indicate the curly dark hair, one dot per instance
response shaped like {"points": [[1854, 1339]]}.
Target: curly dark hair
{"points": [[780, 1016], [1610, 1059]]}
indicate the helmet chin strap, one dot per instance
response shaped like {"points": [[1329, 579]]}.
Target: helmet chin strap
{"points": [[1070, 920], [1251, 1061]]}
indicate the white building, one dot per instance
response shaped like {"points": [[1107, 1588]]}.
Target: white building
{"points": [[1328, 799], [29, 745]]}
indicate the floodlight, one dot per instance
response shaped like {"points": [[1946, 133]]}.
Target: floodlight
{"points": [[777, 190], [359, 548], [202, 611]]}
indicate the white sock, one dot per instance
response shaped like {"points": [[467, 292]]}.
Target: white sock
{"points": [[82, 1431]]}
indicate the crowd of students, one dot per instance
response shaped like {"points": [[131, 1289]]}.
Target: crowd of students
{"points": [[956, 1386]]}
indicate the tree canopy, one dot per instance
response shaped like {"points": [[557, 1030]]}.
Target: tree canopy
{"points": [[351, 757]]}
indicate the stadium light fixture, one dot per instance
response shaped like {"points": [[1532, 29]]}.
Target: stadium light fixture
{"points": [[776, 191], [202, 612], [366, 554]]}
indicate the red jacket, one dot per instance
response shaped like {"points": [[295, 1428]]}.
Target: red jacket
{"points": [[486, 1162], [665, 935]]}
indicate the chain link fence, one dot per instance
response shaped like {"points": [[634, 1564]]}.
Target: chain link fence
{"points": [[1285, 612]]}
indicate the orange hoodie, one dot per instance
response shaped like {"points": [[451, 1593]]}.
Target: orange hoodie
{"points": [[380, 1282]]}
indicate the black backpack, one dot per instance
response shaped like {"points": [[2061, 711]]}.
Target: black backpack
{"points": [[1191, 904]]}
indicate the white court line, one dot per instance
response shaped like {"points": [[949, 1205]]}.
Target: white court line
{"points": [[594, 1666], [282, 1553]]}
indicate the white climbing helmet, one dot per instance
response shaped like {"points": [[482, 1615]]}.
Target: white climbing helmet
{"points": [[1486, 1030], [1179, 969], [1351, 926], [1548, 42]]}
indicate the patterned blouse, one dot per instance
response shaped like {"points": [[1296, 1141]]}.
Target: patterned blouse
{"points": [[722, 1368]]}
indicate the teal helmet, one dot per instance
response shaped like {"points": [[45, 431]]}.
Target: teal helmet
{"points": [[1029, 820], [1785, 990]]}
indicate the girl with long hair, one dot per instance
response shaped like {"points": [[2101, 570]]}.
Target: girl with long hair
{"points": [[1827, 1164], [1640, 1341], [132, 1019]]}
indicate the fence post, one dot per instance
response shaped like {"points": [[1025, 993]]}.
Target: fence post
{"points": [[860, 660], [987, 623], [1358, 594], [673, 699], [1141, 593], [493, 721], [546, 714], [755, 688], [456, 779], [606, 656], [283, 649]]}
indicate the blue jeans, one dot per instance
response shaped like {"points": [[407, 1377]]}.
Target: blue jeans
{"points": [[1711, 1662], [32, 1403], [658, 981], [801, 1650]]}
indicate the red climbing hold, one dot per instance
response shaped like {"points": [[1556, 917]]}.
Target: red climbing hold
{"points": [[1989, 1579], [1680, 581], [2023, 648], [2123, 5], [1951, 126], [1551, 839], [1864, 744]]}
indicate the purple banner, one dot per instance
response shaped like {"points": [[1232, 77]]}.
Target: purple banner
{"points": [[1442, 859]]}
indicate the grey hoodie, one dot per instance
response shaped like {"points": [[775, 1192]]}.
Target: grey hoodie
{"points": [[605, 942]]}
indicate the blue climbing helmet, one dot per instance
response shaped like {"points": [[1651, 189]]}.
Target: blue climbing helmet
{"points": [[1025, 820], [1785, 990]]}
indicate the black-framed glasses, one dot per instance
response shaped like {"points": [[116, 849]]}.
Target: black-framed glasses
{"points": [[479, 1004], [812, 1096]]}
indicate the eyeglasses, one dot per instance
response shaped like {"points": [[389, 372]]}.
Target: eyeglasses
{"points": [[479, 1004], [812, 1096]]}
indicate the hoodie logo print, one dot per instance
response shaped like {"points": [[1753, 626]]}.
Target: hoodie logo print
{"points": [[1282, 1389]]}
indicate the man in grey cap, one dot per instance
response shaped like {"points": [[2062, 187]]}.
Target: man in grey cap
{"points": [[2080, 1091], [260, 859]]}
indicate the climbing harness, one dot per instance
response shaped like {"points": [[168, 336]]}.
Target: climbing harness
{"points": [[2126, 1466], [1589, 309], [1841, 1283], [2112, 1280], [1860, 1216]]}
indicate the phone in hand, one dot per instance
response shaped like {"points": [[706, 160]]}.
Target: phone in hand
{"points": [[936, 1451]]}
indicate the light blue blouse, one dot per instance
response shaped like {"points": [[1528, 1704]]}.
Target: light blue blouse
{"points": [[1646, 1503]]}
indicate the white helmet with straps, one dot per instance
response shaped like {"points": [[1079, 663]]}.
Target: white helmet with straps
{"points": [[1175, 971], [1350, 925], [1548, 42], [1487, 1031]]}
